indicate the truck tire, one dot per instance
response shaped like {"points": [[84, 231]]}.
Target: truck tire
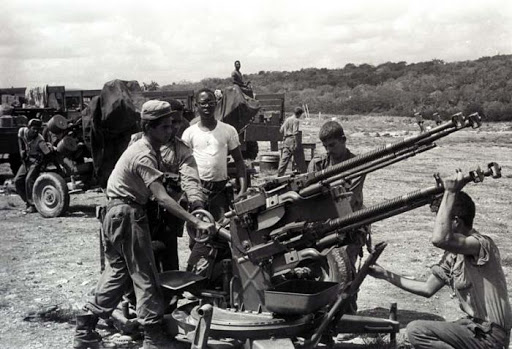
{"points": [[50, 195], [14, 163]]}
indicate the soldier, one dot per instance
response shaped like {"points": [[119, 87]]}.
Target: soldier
{"points": [[238, 80], [437, 118], [211, 141], [136, 176], [420, 121], [334, 140], [291, 143], [33, 149], [182, 183], [471, 266]]}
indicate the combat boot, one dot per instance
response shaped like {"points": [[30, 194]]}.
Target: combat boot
{"points": [[155, 338], [85, 334]]}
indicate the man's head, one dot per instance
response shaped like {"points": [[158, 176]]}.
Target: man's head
{"points": [[298, 111], [161, 120], [206, 103], [463, 210], [333, 139], [34, 127], [237, 65]]}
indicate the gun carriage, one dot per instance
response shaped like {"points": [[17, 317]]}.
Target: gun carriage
{"points": [[276, 290]]}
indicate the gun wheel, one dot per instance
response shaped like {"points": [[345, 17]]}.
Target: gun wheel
{"points": [[338, 263], [50, 195]]}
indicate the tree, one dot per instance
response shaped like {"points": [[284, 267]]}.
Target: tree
{"points": [[152, 86]]}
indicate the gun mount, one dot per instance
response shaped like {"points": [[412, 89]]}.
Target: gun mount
{"points": [[281, 235]]}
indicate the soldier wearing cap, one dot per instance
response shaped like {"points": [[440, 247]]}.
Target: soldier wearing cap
{"points": [[136, 176], [182, 183], [33, 149], [292, 146]]}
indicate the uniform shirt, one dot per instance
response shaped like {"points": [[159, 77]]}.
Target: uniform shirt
{"points": [[177, 158], [134, 172], [36, 147], [290, 127], [356, 186], [478, 282], [210, 149]]}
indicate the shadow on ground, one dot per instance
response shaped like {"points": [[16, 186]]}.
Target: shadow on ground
{"points": [[86, 211], [404, 316]]}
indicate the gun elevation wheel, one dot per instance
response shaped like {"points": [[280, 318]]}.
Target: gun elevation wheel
{"points": [[50, 195]]}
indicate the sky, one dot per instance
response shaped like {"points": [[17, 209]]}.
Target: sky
{"points": [[83, 44]]}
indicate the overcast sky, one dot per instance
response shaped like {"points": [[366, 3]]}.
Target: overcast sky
{"points": [[83, 44]]}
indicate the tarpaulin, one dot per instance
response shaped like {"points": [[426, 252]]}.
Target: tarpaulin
{"points": [[236, 109], [113, 116]]}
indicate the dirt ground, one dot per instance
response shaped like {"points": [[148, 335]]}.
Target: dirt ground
{"points": [[49, 266]]}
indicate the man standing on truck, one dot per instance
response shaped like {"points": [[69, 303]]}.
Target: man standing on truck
{"points": [[471, 266], [238, 80], [33, 149], [211, 141], [292, 147], [334, 140], [137, 175]]}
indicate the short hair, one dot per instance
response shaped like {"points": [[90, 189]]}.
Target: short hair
{"points": [[464, 208], [331, 130], [176, 105], [298, 111], [207, 90], [145, 125], [237, 61]]}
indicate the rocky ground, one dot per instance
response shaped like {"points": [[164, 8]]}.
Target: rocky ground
{"points": [[49, 267]]}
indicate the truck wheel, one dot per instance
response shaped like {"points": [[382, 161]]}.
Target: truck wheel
{"points": [[15, 163], [50, 195]]}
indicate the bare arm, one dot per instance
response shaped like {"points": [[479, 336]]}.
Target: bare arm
{"points": [[240, 169], [443, 235], [158, 190], [422, 288]]}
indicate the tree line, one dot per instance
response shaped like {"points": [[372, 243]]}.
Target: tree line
{"points": [[483, 85]]}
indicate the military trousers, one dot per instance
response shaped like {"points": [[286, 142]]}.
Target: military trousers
{"points": [[464, 333], [130, 259]]}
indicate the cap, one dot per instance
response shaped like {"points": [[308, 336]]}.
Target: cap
{"points": [[35, 123], [154, 109], [298, 110]]}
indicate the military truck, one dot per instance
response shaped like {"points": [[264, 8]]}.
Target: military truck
{"points": [[16, 101]]}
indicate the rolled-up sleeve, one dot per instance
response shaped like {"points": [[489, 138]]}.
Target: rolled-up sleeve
{"points": [[190, 182], [147, 169]]}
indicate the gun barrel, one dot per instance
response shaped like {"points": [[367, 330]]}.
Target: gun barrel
{"points": [[394, 206], [457, 123]]}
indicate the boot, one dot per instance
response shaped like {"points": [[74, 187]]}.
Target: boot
{"points": [[155, 338], [85, 334]]}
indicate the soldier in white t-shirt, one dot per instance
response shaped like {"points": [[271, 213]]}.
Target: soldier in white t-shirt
{"points": [[211, 142]]}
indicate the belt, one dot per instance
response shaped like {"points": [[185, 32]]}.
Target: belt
{"points": [[122, 201]]}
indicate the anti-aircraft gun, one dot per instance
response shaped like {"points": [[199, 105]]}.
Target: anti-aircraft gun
{"points": [[280, 235]]}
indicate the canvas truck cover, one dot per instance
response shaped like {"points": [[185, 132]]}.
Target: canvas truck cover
{"points": [[112, 118], [236, 109]]}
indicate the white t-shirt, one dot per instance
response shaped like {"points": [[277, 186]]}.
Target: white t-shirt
{"points": [[210, 149]]}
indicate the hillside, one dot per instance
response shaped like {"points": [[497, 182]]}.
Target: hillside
{"points": [[483, 85]]}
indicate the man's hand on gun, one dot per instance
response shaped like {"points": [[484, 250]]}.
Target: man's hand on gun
{"points": [[206, 227], [456, 183]]}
